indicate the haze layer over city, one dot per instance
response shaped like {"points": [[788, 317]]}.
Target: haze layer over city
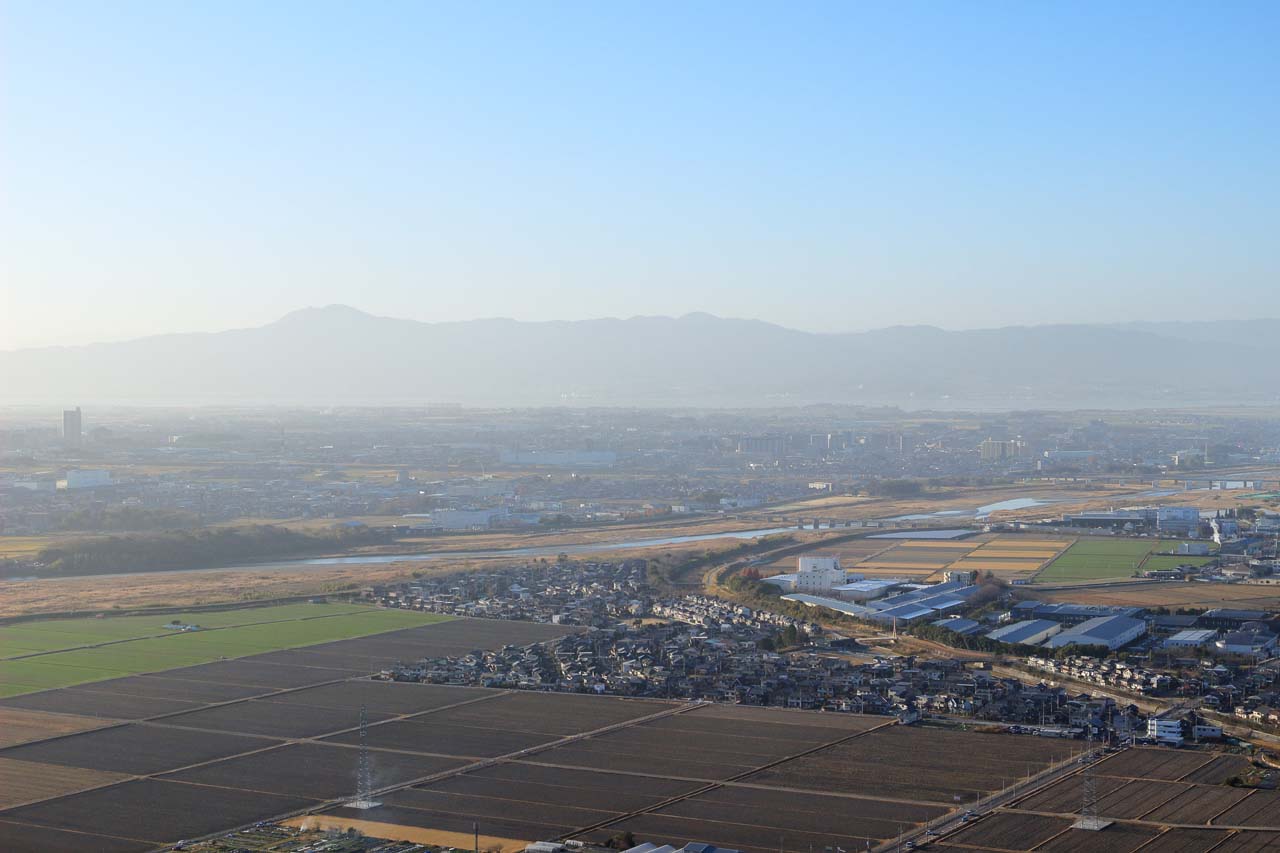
{"points": [[671, 429]]}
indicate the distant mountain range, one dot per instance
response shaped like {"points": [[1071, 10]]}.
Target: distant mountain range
{"points": [[339, 355]]}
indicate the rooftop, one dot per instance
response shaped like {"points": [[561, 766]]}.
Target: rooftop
{"points": [[832, 603], [1020, 632]]}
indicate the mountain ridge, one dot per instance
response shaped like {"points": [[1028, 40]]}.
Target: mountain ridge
{"points": [[340, 354]]}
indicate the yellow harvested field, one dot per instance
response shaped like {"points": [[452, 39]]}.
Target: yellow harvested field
{"points": [[1015, 542], [416, 834], [905, 556], [1025, 555], [28, 546], [952, 546], [997, 565], [884, 564], [19, 726], [849, 553], [28, 781], [896, 572]]}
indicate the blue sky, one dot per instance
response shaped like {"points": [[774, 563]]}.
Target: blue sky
{"points": [[188, 166]]}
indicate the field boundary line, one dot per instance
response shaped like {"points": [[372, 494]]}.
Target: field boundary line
{"points": [[322, 805], [1146, 845], [1051, 775], [841, 794], [1269, 827], [162, 720], [1232, 806], [1209, 759], [158, 719], [722, 783], [159, 777], [6, 819], [125, 777], [1036, 574], [1166, 802]]}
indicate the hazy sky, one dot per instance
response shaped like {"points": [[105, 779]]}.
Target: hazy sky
{"points": [[202, 165]]}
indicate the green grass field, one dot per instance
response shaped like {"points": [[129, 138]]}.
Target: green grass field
{"points": [[141, 643], [1157, 562], [53, 634], [1098, 559]]}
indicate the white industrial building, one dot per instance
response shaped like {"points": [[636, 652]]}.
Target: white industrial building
{"points": [[1191, 638], [1253, 638], [86, 479], [1175, 520], [821, 574], [1165, 731], [818, 573], [865, 590], [459, 519], [814, 562], [1183, 520], [818, 580]]}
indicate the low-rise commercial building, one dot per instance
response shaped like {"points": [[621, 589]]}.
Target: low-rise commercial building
{"points": [[1253, 638], [1165, 731], [1111, 631], [1191, 639], [1032, 632]]}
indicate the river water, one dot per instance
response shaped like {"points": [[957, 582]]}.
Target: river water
{"points": [[979, 512]]}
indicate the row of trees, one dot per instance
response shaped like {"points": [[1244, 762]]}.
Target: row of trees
{"points": [[896, 488], [195, 549]]}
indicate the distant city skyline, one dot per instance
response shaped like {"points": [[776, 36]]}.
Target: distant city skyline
{"points": [[833, 167]]}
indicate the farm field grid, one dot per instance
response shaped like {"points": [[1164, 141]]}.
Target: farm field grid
{"points": [[141, 761], [63, 652], [1153, 799], [1043, 558], [1006, 555], [127, 786]]}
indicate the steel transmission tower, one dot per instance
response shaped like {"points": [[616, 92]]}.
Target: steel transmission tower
{"points": [[1089, 818], [364, 774]]}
